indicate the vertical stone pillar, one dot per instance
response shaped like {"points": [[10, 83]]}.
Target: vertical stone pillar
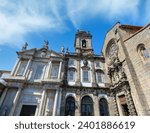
{"points": [[96, 106], [115, 104], [3, 96], [77, 105], [130, 102], [47, 76], [42, 103], [16, 99], [55, 103], [78, 81], [26, 69], [93, 74], [43, 75], [59, 73], [59, 102], [15, 67]]}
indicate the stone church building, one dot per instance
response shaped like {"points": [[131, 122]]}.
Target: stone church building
{"points": [[48, 83]]}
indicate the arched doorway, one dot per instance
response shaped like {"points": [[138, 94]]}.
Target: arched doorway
{"points": [[70, 106], [87, 106], [103, 107]]}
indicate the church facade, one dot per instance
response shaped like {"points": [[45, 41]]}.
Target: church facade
{"points": [[48, 83]]}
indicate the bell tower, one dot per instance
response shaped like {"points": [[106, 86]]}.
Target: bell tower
{"points": [[83, 42]]}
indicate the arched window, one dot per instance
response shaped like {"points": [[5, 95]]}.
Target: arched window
{"points": [[143, 52], [84, 43], [103, 107], [70, 106], [87, 106]]}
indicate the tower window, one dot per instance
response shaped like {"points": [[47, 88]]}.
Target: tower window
{"points": [[84, 43]]}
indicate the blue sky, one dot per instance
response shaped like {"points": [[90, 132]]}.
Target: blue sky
{"points": [[57, 21]]}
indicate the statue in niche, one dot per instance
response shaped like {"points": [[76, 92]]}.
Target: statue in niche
{"points": [[85, 62], [25, 46]]}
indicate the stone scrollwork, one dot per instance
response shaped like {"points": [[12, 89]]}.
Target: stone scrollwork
{"points": [[116, 71], [112, 51]]}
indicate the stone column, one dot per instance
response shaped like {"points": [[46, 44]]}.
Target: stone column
{"points": [[78, 105], [78, 81], [115, 104], [43, 75], [59, 74], [42, 103], [55, 103], [59, 102], [96, 106], [16, 99], [27, 67], [48, 70], [130, 102], [15, 67], [3, 96], [93, 74]]}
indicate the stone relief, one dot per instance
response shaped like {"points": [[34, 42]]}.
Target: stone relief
{"points": [[116, 71]]}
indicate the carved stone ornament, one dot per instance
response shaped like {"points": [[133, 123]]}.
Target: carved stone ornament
{"points": [[85, 62], [46, 44], [112, 51]]}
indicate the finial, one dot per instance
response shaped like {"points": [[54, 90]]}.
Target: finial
{"points": [[46, 44], [24, 47], [67, 51], [62, 49]]}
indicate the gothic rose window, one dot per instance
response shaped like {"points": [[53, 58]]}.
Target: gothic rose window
{"points": [[70, 106], [87, 106]]}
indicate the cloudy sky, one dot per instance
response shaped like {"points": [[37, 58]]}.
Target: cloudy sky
{"points": [[57, 21]]}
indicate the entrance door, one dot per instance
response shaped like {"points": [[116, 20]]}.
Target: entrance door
{"points": [[87, 106], [28, 110], [124, 106]]}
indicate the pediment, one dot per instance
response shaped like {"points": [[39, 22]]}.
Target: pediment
{"points": [[27, 52], [44, 53]]}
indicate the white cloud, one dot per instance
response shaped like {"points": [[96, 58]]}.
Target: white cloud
{"points": [[81, 10], [18, 18]]}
